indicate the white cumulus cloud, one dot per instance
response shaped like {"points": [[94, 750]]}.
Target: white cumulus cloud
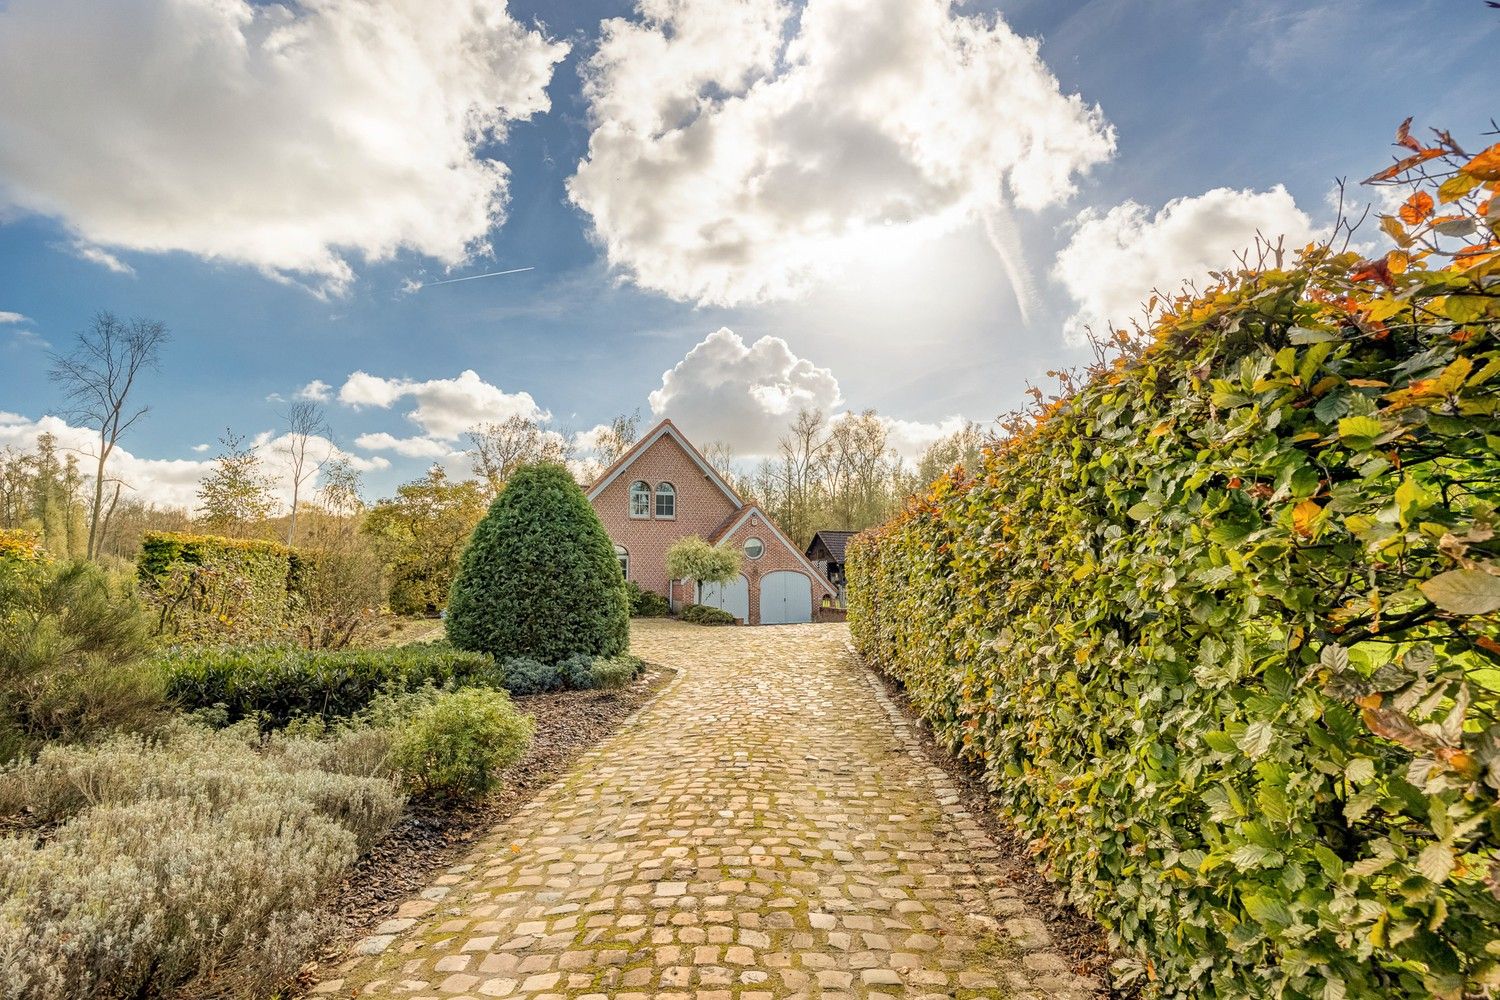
{"points": [[287, 135], [910, 438], [11, 317], [745, 396], [1115, 259], [316, 391], [445, 408], [410, 447], [743, 150]]}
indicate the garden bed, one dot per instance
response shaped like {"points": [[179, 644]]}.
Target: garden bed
{"points": [[434, 834], [1078, 939]]}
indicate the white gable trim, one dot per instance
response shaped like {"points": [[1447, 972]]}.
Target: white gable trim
{"points": [[811, 569], [666, 429]]}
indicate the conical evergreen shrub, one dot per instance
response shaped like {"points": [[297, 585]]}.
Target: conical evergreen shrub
{"points": [[539, 577]]}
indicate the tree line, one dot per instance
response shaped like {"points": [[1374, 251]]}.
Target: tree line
{"points": [[838, 472]]}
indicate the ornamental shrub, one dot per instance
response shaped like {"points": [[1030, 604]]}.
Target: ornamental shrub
{"points": [[539, 577], [521, 676], [645, 603], [702, 614], [216, 768], [188, 863], [1220, 624], [163, 895], [616, 672], [458, 743], [276, 684]]}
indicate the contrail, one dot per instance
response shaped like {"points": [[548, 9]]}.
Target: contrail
{"points": [[999, 226], [471, 277]]}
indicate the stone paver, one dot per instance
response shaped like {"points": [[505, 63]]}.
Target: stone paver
{"points": [[765, 829]]}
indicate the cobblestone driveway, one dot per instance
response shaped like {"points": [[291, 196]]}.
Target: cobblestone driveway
{"points": [[763, 830]]}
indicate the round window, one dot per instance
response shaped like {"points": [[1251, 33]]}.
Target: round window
{"points": [[754, 548]]}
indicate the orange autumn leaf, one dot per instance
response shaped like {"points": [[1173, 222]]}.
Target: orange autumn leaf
{"points": [[1485, 642], [1374, 270], [1417, 208], [1402, 166], [1303, 516], [1485, 166]]}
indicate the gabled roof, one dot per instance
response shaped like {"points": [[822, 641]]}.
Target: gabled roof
{"points": [[664, 429], [723, 526], [740, 516], [833, 541]]}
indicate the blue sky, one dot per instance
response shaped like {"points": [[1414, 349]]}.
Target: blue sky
{"points": [[1271, 101]]}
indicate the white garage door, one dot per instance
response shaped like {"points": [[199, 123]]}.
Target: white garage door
{"points": [[785, 598], [733, 597]]}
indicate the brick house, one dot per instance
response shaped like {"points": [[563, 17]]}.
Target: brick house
{"points": [[662, 489]]}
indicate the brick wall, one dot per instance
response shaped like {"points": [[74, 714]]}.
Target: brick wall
{"points": [[701, 508]]}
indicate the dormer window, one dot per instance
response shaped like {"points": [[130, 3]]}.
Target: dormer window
{"points": [[640, 499], [666, 500]]}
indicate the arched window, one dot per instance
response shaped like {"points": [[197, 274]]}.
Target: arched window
{"points": [[754, 548], [640, 499], [623, 554], [666, 500]]}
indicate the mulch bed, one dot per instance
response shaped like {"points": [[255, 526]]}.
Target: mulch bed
{"points": [[1076, 937], [433, 835]]}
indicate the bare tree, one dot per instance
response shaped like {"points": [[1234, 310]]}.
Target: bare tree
{"points": [[304, 424], [97, 378], [803, 449], [616, 439], [720, 455], [498, 448]]}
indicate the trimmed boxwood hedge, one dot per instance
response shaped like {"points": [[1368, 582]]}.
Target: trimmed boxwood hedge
{"points": [[275, 685], [539, 577], [1220, 624]]}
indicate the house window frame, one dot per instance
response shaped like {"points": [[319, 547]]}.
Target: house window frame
{"points": [[757, 541], [664, 491], [622, 554], [639, 490]]}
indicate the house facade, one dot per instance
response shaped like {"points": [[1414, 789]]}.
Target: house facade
{"points": [[662, 489]]}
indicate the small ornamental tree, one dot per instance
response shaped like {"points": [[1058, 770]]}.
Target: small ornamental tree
{"points": [[539, 577], [693, 558]]}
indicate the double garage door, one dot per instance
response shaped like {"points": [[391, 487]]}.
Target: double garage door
{"points": [[785, 598]]}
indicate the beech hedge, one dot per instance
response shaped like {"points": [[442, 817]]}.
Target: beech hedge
{"points": [[205, 587], [1219, 624]]}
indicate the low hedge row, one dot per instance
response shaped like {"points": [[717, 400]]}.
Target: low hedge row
{"points": [[1220, 624], [275, 685]]}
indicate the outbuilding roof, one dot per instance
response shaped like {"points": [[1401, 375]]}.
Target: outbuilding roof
{"points": [[833, 542]]}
